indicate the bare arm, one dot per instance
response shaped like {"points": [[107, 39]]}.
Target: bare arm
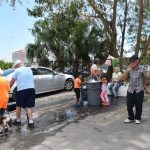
{"points": [[125, 75], [12, 82]]}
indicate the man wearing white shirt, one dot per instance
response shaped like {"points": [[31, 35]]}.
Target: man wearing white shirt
{"points": [[25, 96]]}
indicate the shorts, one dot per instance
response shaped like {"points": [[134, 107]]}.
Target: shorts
{"points": [[2, 113], [77, 92], [25, 98]]}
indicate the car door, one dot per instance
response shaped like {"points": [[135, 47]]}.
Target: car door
{"points": [[54, 81], [37, 80], [46, 77], [59, 80]]}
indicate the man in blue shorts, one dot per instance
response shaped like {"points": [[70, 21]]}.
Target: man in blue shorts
{"points": [[25, 96]]}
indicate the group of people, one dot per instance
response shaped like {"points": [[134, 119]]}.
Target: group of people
{"points": [[113, 86], [25, 95], [137, 77]]}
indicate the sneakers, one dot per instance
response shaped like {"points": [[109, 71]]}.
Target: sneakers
{"points": [[137, 121], [31, 125], [128, 121], [16, 123]]}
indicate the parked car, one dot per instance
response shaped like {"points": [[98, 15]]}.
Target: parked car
{"points": [[46, 80], [70, 71]]}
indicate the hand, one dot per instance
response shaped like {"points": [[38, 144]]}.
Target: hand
{"points": [[130, 66]]}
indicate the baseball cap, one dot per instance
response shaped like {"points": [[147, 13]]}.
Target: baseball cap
{"points": [[18, 62], [133, 58]]}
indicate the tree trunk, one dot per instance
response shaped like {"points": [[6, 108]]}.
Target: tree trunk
{"points": [[113, 51], [109, 26], [123, 33], [141, 4], [146, 48]]}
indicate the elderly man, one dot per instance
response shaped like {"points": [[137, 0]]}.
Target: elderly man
{"points": [[25, 96], [136, 74]]}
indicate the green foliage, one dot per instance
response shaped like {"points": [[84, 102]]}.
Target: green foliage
{"points": [[64, 33], [5, 65]]}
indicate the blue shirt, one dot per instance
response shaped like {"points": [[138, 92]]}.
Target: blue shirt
{"points": [[24, 78]]}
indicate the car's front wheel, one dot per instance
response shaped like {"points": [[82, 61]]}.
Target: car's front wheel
{"points": [[69, 84]]}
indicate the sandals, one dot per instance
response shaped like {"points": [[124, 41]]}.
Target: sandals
{"points": [[5, 129]]}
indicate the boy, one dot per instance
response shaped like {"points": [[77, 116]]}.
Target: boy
{"points": [[4, 96], [77, 86]]}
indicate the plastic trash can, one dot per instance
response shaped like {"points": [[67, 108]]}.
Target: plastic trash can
{"points": [[93, 92], [83, 94]]}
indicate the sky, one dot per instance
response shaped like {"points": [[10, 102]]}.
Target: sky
{"points": [[14, 28]]}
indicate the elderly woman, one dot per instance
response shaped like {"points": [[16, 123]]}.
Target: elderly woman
{"points": [[95, 70], [113, 87]]}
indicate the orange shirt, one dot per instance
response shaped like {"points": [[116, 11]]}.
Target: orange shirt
{"points": [[77, 83], [4, 90]]}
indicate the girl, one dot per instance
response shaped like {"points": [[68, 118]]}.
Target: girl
{"points": [[103, 95]]}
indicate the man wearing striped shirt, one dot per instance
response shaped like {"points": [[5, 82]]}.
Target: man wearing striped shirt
{"points": [[137, 77]]}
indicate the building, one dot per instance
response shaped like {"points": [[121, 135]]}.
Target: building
{"points": [[21, 55]]}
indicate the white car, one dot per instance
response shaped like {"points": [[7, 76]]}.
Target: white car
{"points": [[46, 80]]}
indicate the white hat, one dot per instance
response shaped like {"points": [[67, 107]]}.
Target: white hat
{"points": [[18, 62]]}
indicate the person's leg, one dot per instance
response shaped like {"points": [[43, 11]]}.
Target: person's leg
{"points": [[106, 97], [18, 113], [102, 95], [30, 116], [17, 121], [5, 126], [19, 101], [138, 105], [110, 88], [130, 105], [3, 120], [116, 88]]}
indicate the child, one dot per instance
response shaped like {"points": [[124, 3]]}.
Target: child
{"points": [[4, 96], [77, 86], [103, 94]]}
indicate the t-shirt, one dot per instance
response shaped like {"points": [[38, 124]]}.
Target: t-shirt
{"points": [[104, 87], [24, 78], [116, 76], [77, 83], [4, 90]]}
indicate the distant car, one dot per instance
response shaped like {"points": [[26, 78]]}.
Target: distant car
{"points": [[76, 73], [46, 80]]}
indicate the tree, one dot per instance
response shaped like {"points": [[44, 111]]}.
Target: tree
{"points": [[66, 33], [5, 65]]}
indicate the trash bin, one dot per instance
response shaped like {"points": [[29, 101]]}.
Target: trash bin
{"points": [[83, 94], [93, 92]]}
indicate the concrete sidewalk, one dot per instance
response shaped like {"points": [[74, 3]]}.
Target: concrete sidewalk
{"points": [[102, 131]]}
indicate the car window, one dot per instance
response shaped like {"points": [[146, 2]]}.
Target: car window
{"points": [[34, 71], [43, 71]]}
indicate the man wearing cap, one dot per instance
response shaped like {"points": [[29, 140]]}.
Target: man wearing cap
{"points": [[25, 96], [137, 76]]}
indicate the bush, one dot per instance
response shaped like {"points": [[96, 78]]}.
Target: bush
{"points": [[5, 65]]}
